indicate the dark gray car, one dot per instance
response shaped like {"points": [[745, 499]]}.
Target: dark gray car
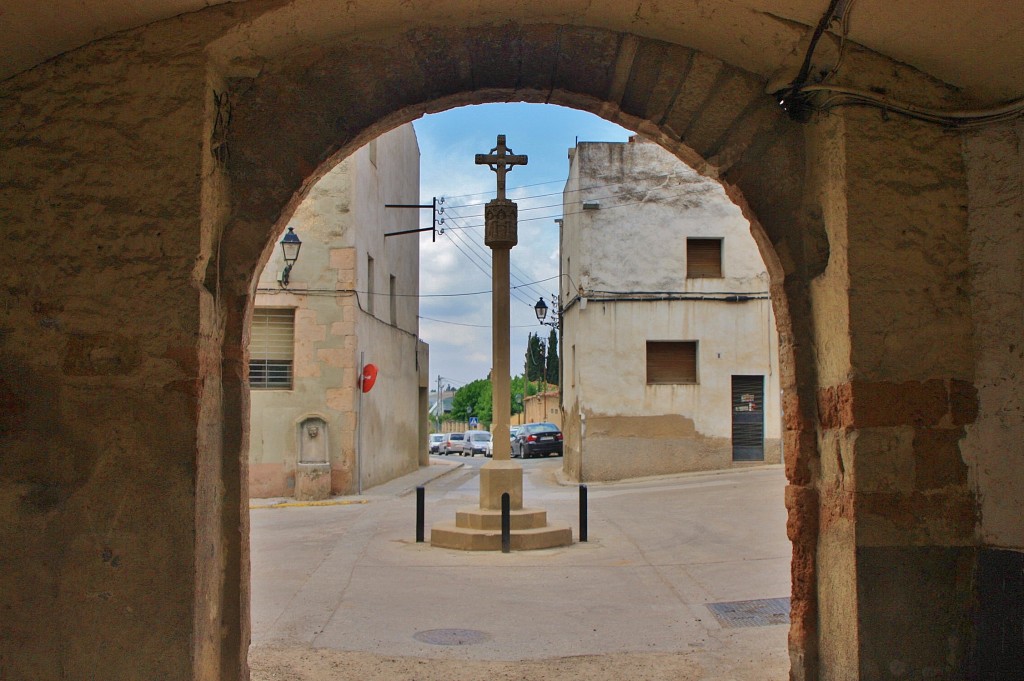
{"points": [[535, 439]]}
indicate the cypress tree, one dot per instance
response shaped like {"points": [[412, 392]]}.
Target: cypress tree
{"points": [[528, 367], [551, 373], [535, 363]]}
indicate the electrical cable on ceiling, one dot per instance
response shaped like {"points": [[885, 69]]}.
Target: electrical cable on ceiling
{"points": [[796, 98], [845, 96], [791, 98]]}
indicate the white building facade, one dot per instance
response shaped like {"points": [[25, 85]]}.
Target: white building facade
{"points": [[669, 345], [351, 300]]}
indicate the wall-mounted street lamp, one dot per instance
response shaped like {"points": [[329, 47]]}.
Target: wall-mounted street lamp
{"points": [[541, 310], [290, 244]]}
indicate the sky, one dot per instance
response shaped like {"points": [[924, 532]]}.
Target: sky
{"points": [[455, 280]]}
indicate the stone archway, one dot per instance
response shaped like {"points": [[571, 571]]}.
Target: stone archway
{"points": [[141, 208], [305, 112]]}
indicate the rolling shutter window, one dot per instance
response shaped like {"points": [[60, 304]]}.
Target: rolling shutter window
{"points": [[271, 349], [671, 362], [703, 258]]}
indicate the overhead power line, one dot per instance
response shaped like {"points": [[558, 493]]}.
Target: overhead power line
{"points": [[515, 273], [475, 326], [484, 256], [663, 176]]}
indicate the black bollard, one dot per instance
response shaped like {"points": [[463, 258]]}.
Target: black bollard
{"points": [[583, 513], [421, 493], [506, 523]]}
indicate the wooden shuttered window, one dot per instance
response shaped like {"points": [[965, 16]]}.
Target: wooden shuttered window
{"points": [[703, 258], [271, 349], [671, 362]]}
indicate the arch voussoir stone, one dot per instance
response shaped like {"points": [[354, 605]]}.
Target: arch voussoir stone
{"points": [[693, 91], [655, 73], [728, 101]]}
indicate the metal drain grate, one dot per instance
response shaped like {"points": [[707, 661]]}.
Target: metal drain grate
{"points": [[451, 637], [760, 613]]}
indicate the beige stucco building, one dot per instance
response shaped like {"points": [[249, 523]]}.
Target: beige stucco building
{"points": [[669, 348], [352, 296]]}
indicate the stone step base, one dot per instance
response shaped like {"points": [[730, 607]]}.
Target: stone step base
{"points": [[449, 536], [474, 518]]}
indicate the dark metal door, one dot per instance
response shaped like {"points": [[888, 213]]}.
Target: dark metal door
{"points": [[748, 418]]}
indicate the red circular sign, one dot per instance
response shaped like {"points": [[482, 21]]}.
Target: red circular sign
{"points": [[369, 377]]}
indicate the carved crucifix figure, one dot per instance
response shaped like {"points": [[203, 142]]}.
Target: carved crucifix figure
{"points": [[501, 160]]}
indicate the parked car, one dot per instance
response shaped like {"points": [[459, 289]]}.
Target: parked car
{"points": [[437, 441], [512, 432], [476, 442], [534, 439], [454, 443]]}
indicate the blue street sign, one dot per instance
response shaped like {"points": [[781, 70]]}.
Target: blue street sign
{"points": [[473, 422]]}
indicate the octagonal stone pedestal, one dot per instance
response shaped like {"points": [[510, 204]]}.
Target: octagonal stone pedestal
{"points": [[479, 529]]}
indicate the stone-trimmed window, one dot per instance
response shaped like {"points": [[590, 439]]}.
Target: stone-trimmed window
{"points": [[703, 258], [671, 362], [271, 349]]}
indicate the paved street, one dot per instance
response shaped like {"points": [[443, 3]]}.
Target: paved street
{"points": [[344, 585]]}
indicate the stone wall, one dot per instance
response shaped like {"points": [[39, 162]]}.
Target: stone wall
{"points": [[110, 365], [992, 458]]}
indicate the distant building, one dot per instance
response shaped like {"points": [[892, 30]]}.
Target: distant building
{"points": [[669, 348], [544, 406], [440, 409], [352, 298]]}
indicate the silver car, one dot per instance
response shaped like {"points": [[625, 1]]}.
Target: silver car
{"points": [[476, 442], [453, 443]]}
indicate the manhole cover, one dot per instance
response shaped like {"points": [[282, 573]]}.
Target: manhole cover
{"points": [[760, 613], [451, 637]]}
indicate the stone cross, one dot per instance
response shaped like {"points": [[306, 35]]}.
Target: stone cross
{"points": [[501, 160]]}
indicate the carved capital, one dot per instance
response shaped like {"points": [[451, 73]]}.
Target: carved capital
{"points": [[501, 218]]}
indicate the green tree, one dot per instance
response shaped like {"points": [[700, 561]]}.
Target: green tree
{"points": [[530, 364], [485, 405], [464, 402], [534, 358], [551, 371], [517, 386], [474, 399]]}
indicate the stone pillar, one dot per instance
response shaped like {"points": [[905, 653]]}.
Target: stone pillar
{"points": [[893, 333], [114, 514], [501, 218], [501, 474]]}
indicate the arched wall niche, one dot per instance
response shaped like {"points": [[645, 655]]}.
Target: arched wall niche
{"points": [[305, 112]]}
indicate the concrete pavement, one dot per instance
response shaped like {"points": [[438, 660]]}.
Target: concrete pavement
{"points": [[350, 577]]}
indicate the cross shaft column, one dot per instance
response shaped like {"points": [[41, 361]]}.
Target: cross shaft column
{"points": [[479, 528], [501, 475]]}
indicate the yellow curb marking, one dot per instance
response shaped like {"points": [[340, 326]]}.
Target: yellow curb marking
{"points": [[295, 504]]}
